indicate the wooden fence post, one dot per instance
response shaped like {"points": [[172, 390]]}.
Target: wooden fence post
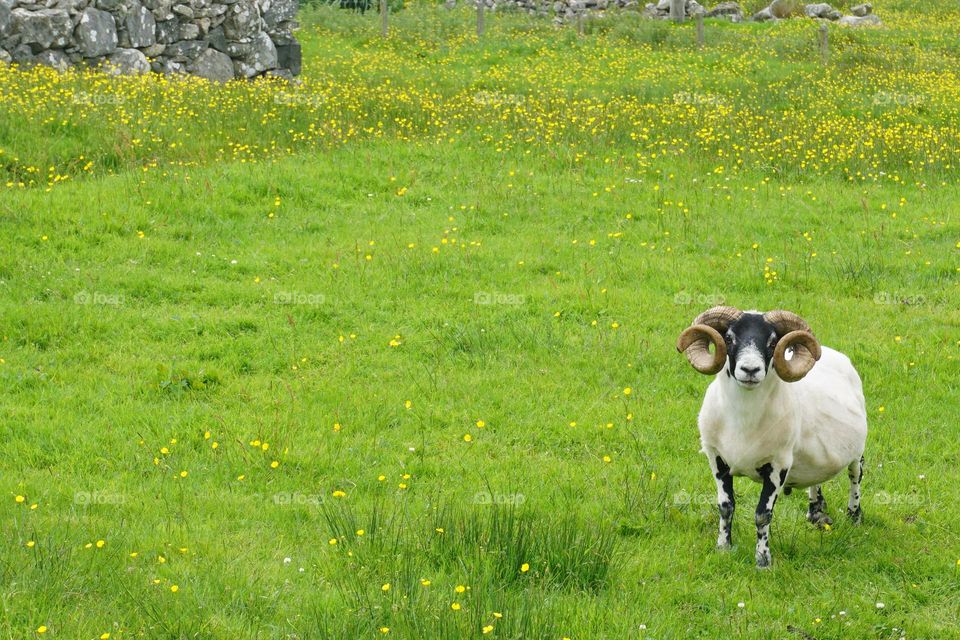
{"points": [[480, 25], [579, 24], [824, 44], [700, 38], [384, 11]]}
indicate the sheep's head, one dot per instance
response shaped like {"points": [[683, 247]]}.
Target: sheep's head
{"points": [[750, 342]]}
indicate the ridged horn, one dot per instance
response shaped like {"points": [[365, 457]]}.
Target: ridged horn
{"points": [[708, 328], [796, 335]]}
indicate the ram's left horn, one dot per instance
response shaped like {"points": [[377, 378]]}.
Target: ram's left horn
{"points": [[799, 339]]}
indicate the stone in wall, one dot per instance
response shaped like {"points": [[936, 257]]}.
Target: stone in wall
{"points": [[214, 39]]}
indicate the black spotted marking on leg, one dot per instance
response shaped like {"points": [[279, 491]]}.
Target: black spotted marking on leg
{"points": [[726, 505], [725, 478], [854, 511], [817, 510], [859, 475], [768, 498], [764, 511], [723, 469], [765, 472]]}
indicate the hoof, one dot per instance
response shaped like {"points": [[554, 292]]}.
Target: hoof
{"points": [[724, 546], [763, 561], [820, 520], [855, 515]]}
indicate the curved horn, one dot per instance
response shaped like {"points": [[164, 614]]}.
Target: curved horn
{"points": [[786, 321], [707, 329], [806, 352], [796, 335], [695, 342], [718, 317]]}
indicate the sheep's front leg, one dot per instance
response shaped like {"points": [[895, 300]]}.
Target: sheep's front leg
{"points": [[725, 498], [855, 473], [773, 477]]}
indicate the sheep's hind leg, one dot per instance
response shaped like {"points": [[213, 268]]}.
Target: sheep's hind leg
{"points": [[725, 498], [855, 473], [817, 510], [773, 480]]}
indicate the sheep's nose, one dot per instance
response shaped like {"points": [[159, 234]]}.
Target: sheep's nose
{"points": [[750, 371]]}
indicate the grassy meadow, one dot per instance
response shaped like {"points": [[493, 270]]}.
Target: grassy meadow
{"points": [[389, 353]]}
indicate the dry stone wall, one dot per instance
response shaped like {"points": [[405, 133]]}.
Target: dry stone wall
{"points": [[215, 39]]}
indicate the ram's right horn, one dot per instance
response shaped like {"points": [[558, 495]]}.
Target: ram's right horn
{"points": [[708, 328]]}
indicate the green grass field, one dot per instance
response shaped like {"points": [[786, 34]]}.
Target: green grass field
{"points": [[391, 353]]}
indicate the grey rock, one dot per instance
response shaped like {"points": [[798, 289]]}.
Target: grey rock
{"points": [[71, 6], [212, 65], [283, 33], [725, 9], [184, 11], [54, 58], [5, 56], [168, 31], [210, 11], [168, 67], [240, 49], [242, 21], [161, 9], [785, 8], [262, 58], [189, 31], [154, 50], [127, 62], [6, 19], [140, 27], [96, 33], [289, 57], [862, 10], [763, 15], [217, 39], [185, 50], [22, 54], [694, 8], [9, 42], [279, 11], [869, 20], [45, 28], [819, 10]]}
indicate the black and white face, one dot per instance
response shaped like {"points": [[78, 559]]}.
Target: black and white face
{"points": [[751, 341]]}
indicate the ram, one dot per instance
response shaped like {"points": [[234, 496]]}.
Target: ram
{"points": [[783, 411]]}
